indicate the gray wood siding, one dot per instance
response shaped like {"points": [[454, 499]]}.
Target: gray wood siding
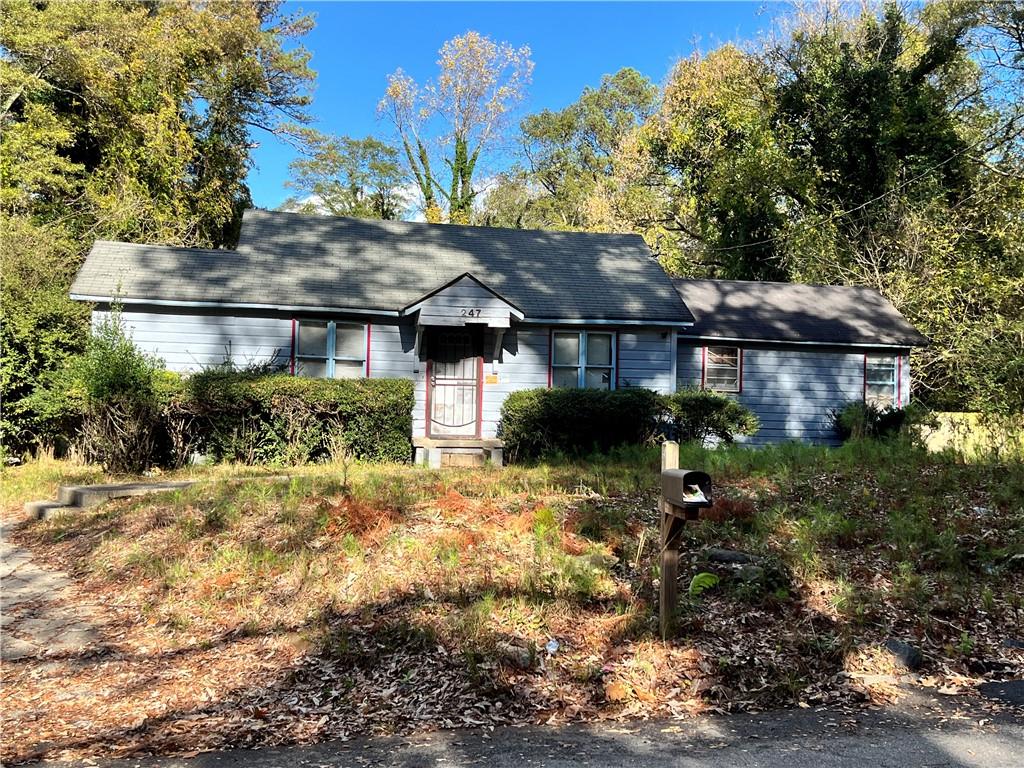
{"points": [[645, 360], [188, 342], [524, 366], [792, 389], [466, 295], [392, 356], [391, 351]]}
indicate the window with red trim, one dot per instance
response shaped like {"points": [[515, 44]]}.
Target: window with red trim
{"points": [[723, 369], [880, 380]]}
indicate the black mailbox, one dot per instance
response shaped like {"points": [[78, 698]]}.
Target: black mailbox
{"points": [[687, 488]]}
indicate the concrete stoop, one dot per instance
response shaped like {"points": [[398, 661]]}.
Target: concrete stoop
{"points": [[437, 452], [75, 498]]}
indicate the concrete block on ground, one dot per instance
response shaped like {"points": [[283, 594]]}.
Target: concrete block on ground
{"points": [[434, 458], [498, 457], [44, 510]]}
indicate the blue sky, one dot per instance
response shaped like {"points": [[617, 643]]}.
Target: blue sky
{"points": [[356, 45]]}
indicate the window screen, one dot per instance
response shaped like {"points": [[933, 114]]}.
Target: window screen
{"points": [[722, 369]]}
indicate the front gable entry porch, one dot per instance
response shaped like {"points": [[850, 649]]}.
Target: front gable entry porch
{"points": [[453, 323]]}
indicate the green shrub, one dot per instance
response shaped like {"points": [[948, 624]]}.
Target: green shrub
{"points": [[41, 327], [107, 397], [857, 420], [253, 417], [698, 414], [535, 422]]}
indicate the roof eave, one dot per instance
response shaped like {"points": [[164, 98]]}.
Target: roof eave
{"points": [[905, 344], [605, 321], [414, 307], [233, 305]]}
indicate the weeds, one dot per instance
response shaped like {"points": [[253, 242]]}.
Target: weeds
{"points": [[368, 561]]}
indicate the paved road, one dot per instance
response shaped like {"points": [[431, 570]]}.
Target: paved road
{"points": [[924, 731]]}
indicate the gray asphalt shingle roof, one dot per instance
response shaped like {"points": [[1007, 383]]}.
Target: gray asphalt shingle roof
{"points": [[737, 309], [307, 261], [297, 260]]}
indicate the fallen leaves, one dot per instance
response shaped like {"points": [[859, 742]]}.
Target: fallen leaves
{"points": [[350, 622]]}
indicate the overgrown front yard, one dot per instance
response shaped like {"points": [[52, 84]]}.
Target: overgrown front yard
{"points": [[370, 599]]}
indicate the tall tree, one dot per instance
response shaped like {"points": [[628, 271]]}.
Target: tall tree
{"points": [[880, 148], [567, 152], [343, 176], [466, 110], [916, 165], [125, 120]]}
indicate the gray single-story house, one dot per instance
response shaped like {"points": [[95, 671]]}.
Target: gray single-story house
{"points": [[471, 314]]}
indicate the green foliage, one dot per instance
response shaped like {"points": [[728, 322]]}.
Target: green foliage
{"points": [[701, 582], [107, 399], [40, 326], [568, 152], [535, 422], [113, 367], [699, 414], [137, 118], [281, 419], [724, 160], [123, 121], [349, 177], [479, 82], [877, 147], [859, 420]]}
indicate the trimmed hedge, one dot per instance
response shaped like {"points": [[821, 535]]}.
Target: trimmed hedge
{"points": [[535, 422], [278, 418]]}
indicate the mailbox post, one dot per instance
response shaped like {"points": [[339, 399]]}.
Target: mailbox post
{"points": [[684, 492]]}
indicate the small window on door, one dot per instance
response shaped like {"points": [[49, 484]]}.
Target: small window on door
{"points": [[583, 359], [723, 369], [880, 373], [326, 349]]}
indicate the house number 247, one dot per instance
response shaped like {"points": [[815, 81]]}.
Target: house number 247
{"points": [[469, 312]]}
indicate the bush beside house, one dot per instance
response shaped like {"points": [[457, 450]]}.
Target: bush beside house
{"points": [[120, 408], [535, 422], [258, 418], [858, 421], [698, 415]]}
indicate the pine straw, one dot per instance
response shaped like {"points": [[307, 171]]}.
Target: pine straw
{"points": [[258, 614]]}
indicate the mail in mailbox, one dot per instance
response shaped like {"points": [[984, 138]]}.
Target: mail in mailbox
{"points": [[686, 488]]}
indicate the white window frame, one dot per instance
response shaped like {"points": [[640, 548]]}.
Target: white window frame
{"points": [[581, 363], [876, 359], [707, 365], [330, 358]]}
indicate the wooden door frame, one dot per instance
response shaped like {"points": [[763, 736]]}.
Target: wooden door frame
{"points": [[428, 388]]}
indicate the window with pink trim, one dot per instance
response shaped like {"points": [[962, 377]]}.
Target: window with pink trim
{"points": [[881, 380], [723, 369]]}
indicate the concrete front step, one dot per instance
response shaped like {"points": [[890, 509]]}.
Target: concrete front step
{"points": [[75, 498], [438, 452], [91, 495], [44, 510]]}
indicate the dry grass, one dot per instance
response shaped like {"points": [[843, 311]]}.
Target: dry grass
{"points": [[393, 598]]}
